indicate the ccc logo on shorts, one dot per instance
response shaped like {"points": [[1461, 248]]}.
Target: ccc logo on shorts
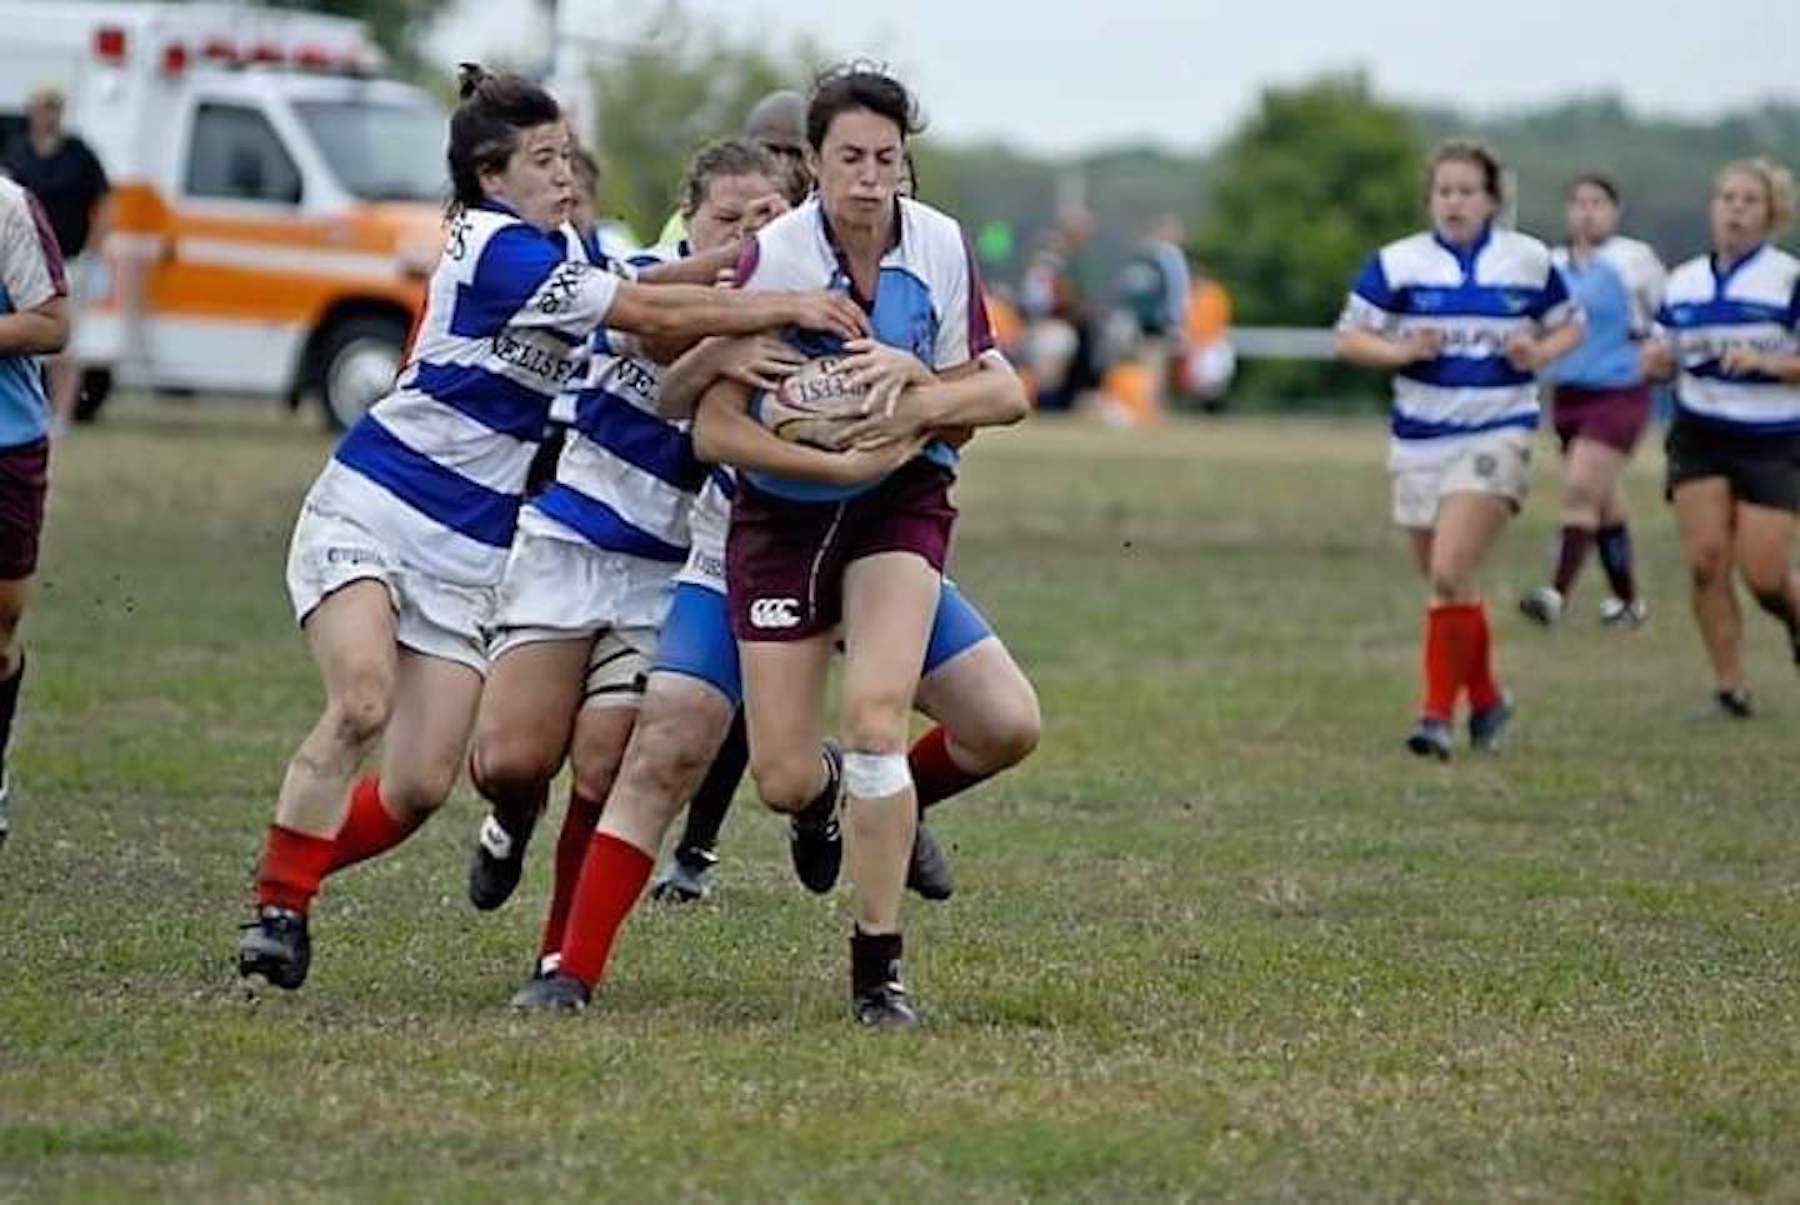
{"points": [[1485, 464], [775, 613]]}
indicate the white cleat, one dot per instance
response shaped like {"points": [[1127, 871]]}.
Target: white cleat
{"points": [[1542, 606], [1617, 613]]}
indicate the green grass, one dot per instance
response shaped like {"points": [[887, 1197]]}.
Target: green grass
{"points": [[1220, 937]]}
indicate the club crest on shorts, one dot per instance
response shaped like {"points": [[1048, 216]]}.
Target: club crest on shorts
{"points": [[1485, 464], [775, 614]]}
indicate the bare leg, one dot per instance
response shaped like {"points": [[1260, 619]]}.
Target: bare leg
{"points": [[1467, 526], [352, 639], [680, 725], [784, 704], [987, 706], [1764, 550], [434, 711], [889, 600], [524, 726], [1704, 513]]}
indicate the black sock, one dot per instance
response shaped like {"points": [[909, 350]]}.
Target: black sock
{"points": [[708, 808], [874, 959], [1614, 545], [822, 810], [1571, 550], [9, 703]]}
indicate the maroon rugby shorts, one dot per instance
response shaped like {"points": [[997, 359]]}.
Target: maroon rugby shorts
{"points": [[1614, 417], [24, 479], [785, 560]]}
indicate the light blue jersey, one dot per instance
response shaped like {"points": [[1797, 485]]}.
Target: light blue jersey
{"points": [[928, 301], [1619, 289], [31, 273]]}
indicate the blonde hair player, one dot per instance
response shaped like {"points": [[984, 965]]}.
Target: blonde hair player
{"points": [[1729, 334]]}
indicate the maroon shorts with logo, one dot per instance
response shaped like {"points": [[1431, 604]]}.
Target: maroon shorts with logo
{"points": [[1614, 417], [24, 479], [784, 560]]}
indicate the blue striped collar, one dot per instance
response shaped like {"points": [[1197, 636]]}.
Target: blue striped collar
{"points": [[1722, 279], [1466, 256]]}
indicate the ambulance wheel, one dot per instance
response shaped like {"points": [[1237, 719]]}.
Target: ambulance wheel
{"points": [[356, 363], [96, 387]]}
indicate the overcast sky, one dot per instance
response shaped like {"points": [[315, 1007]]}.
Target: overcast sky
{"points": [[1063, 75]]}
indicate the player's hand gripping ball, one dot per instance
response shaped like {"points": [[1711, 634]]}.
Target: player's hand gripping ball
{"points": [[815, 405]]}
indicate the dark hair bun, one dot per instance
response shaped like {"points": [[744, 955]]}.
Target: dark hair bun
{"points": [[470, 77]]}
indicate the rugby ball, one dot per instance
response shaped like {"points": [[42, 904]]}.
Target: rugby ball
{"points": [[811, 406]]}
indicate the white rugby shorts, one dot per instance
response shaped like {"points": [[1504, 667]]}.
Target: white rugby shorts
{"points": [[558, 588], [433, 617], [1424, 472]]}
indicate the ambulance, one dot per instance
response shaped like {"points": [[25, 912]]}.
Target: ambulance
{"points": [[277, 203]]}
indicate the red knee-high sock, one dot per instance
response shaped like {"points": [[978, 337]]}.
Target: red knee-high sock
{"points": [[935, 774], [293, 863], [613, 875], [571, 852], [1444, 660], [1484, 692], [369, 828]]}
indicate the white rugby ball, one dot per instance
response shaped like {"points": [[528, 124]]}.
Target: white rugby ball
{"points": [[813, 404]]}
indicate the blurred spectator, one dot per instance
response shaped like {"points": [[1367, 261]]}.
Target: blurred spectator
{"points": [[1058, 347], [1147, 333], [1209, 361], [69, 182]]}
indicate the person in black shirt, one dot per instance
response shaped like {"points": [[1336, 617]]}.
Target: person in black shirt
{"points": [[68, 181]]}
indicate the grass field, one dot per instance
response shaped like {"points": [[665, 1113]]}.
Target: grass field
{"points": [[1221, 937]]}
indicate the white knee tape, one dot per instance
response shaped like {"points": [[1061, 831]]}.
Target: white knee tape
{"points": [[875, 775]]}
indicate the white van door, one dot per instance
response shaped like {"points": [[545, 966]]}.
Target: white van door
{"points": [[223, 313]]}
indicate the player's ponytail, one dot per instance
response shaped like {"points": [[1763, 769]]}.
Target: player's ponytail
{"points": [[484, 130]]}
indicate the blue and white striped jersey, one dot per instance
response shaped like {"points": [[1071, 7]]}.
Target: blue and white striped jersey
{"points": [[436, 468], [1477, 297], [1754, 303], [627, 477]]}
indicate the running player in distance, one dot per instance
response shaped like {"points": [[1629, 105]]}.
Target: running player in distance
{"points": [[1600, 401], [1466, 315], [1728, 334]]}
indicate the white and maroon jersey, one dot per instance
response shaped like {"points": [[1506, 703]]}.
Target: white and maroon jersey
{"points": [[436, 469], [31, 273], [928, 300]]}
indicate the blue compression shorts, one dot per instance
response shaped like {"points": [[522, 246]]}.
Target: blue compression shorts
{"points": [[696, 637]]}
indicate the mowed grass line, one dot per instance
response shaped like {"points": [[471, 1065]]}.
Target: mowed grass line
{"points": [[1220, 937]]}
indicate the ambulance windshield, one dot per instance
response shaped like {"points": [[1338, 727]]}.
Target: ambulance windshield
{"points": [[381, 152]]}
